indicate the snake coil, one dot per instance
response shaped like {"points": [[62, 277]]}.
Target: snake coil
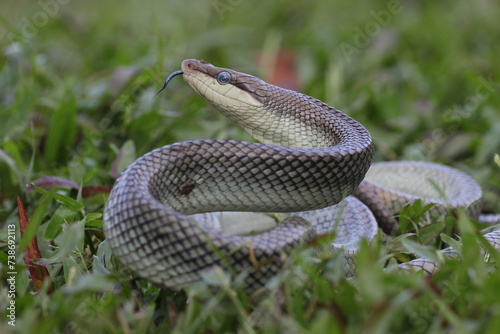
{"points": [[310, 156]]}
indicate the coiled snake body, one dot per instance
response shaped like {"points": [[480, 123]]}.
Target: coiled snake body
{"points": [[311, 156]]}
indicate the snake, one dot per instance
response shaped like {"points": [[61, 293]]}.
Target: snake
{"points": [[308, 160]]}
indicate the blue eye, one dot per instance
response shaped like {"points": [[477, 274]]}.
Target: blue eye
{"points": [[224, 78]]}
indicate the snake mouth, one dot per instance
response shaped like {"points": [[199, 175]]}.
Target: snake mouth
{"points": [[187, 65]]}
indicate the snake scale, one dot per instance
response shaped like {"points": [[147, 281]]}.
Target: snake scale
{"points": [[310, 156]]}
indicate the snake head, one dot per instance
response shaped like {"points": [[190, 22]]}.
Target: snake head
{"points": [[270, 114], [224, 88]]}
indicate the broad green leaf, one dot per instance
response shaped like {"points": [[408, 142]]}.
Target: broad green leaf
{"points": [[69, 202], [95, 223], [105, 253], [93, 220], [72, 271], [423, 251], [62, 215], [98, 267], [429, 233], [451, 242], [70, 240], [411, 215]]}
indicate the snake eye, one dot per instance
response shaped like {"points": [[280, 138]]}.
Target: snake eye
{"points": [[224, 78]]}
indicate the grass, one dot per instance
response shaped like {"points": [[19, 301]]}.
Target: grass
{"points": [[77, 85]]}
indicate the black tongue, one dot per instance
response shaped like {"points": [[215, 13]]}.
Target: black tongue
{"points": [[176, 73]]}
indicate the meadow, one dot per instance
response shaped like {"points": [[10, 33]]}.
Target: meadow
{"points": [[77, 105]]}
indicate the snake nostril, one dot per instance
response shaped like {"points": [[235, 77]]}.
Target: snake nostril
{"points": [[188, 64]]}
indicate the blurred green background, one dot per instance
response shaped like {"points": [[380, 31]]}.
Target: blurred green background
{"points": [[78, 79]]}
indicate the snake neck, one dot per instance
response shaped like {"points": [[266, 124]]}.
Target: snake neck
{"points": [[273, 115], [288, 118]]}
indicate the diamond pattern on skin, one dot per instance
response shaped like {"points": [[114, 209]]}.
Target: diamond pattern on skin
{"points": [[148, 222]]}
